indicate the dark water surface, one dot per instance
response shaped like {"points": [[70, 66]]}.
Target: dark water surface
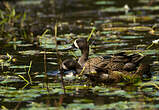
{"points": [[22, 76]]}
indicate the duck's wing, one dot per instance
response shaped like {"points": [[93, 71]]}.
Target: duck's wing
{"points": [[93, 62]]}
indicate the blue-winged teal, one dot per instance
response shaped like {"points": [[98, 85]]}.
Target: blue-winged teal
{"points": [[119, 61], [108, 69], [89, 64], [70, 64]]}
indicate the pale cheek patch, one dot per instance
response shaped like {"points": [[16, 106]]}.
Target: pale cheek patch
{"points": [[75, 43], [64, 67]]}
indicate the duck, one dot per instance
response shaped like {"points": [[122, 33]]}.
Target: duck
{"points": [[107, 68], [90, 64], [70, 64]]}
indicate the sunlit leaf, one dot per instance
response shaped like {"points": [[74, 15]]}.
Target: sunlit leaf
{"points": [[29, 52]]}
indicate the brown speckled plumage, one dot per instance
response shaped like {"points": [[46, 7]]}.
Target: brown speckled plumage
{"points": [[112, 69]]}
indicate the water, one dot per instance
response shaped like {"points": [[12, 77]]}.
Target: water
{"points": [[23, 84]]}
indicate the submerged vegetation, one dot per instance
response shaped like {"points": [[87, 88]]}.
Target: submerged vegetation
{"points": [[35, 37]]}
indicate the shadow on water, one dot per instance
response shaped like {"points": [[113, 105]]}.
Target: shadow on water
{"points": [[22, 23]]}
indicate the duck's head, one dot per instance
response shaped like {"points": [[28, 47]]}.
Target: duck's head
{"points": [[70, 64], [81, 44]]}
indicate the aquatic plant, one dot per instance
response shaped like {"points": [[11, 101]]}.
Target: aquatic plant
{"points": [[12, 23]]}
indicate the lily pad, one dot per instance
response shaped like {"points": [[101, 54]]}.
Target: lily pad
{"points": [[21, 66], [131, 37], [104, 3], [29, 52]]}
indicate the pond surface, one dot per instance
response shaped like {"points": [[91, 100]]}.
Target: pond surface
{"points": [[28, 52]]}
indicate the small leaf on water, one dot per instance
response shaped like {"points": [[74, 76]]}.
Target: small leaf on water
{"points": [[104, 2], [29, 52], [21, 66], [15, 42], [131, 37]]}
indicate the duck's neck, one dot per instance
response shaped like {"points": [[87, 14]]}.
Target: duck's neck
{"points": [[84, 56]]}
